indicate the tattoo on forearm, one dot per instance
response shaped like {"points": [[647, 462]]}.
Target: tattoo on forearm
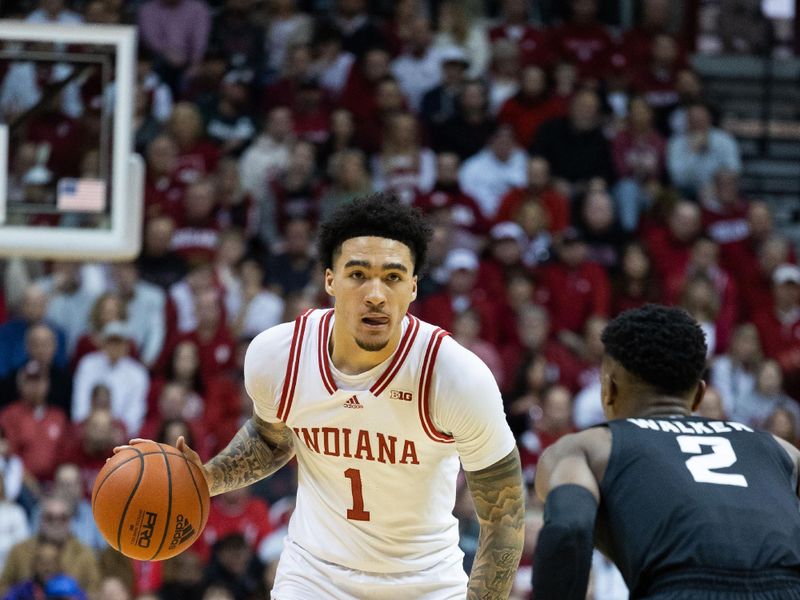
{"points": [[498, 494], [256, 451]]}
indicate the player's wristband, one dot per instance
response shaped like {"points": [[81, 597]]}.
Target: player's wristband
{"points": [[563, 555]]}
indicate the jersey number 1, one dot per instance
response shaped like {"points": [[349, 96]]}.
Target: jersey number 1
{"points": [[357, 513], [702, 467]]}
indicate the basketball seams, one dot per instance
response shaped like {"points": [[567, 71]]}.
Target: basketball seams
{"points": [[96, 492], [169, 500], [130, 497]]}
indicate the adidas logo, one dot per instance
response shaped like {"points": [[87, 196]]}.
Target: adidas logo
{"points": [[352, 402], [183, 532]]}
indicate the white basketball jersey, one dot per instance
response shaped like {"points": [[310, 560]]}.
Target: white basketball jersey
{"points": [[377, 480]]}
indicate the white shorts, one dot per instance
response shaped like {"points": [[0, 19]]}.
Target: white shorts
{"points": [[301, 576]]}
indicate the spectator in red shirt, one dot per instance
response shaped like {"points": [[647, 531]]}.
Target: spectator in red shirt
{"points": [[584, 41], [447, 203], [639, 153], [312, 119], [779, 325], [515, 27], [389, 100], [237, 511], [197, 234], [638, 41], [91, 442], [163, 192], [670, 246], [175, 403], [540, 189], [657, 80], [34, 430], [531, 106], [574, 289], [360, 94], [635, 284], [462, 293], [725, 211], [65, 136], [197, 157], [756, 284], [212, 336], [552, 421]]}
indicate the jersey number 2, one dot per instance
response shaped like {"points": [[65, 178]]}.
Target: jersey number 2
{"points": [[357, 513], [702, 467]]}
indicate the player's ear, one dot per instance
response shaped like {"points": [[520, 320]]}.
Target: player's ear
{"points": [[329, 282], [698, 395], [413, 288], [608, 390]]}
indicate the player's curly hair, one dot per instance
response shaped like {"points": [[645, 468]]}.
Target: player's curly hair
{"points": [[663, 346], [380, 215]]}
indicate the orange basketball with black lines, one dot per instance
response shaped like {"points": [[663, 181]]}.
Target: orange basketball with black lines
{"points": [[150, 502]]}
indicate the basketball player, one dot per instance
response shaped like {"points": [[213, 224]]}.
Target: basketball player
{"points": [[687, 507], [378, 407]]}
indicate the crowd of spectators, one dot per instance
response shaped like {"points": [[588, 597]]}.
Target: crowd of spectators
{"points": [[570, 171]]}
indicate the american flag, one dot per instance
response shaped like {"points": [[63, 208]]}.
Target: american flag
{"points": [[81, 195]]}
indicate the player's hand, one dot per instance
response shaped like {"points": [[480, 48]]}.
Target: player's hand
{"points": [[133, 442], [192, 457]]}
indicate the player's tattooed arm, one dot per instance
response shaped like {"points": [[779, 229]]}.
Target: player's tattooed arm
{"points": [[256, 451], [499, 498]]}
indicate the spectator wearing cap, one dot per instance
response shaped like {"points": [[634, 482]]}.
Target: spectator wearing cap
{"points": [[584, 41], [177, 32], [145, 308], [64, 553], [573, 288], [539, 190], [458, 27], [694, 157], [440, 102], [125, 377], [462, 292], [447, 203], [467, 131], [575, 145], [531, 106], [507, 247], [515, 26], [778, 324], [496, 169], [35, 430]]}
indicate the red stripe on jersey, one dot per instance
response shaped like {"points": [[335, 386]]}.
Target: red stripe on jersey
{"points": [[399, 357], [292, 366], [425, 386], [322, 353]]}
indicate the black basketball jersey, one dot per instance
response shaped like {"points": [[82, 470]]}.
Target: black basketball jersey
{"points": [[686, 493]]}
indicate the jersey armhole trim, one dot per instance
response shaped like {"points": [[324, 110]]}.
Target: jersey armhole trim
{"points": [[322, 353], [292, 366], [425, 386]]}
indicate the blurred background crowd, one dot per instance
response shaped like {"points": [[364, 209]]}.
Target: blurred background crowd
{"points": [[565, 153]]}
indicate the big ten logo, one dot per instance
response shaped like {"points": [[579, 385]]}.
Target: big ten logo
{"points": [[400, 395], [146, 531]]}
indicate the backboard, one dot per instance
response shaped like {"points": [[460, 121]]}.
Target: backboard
{"points": [[70, 185]]}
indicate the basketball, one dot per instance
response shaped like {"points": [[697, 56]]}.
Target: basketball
{"points": [[150, 502]]}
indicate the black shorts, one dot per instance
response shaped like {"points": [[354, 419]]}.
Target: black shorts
{"points": [[773, 584]]}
